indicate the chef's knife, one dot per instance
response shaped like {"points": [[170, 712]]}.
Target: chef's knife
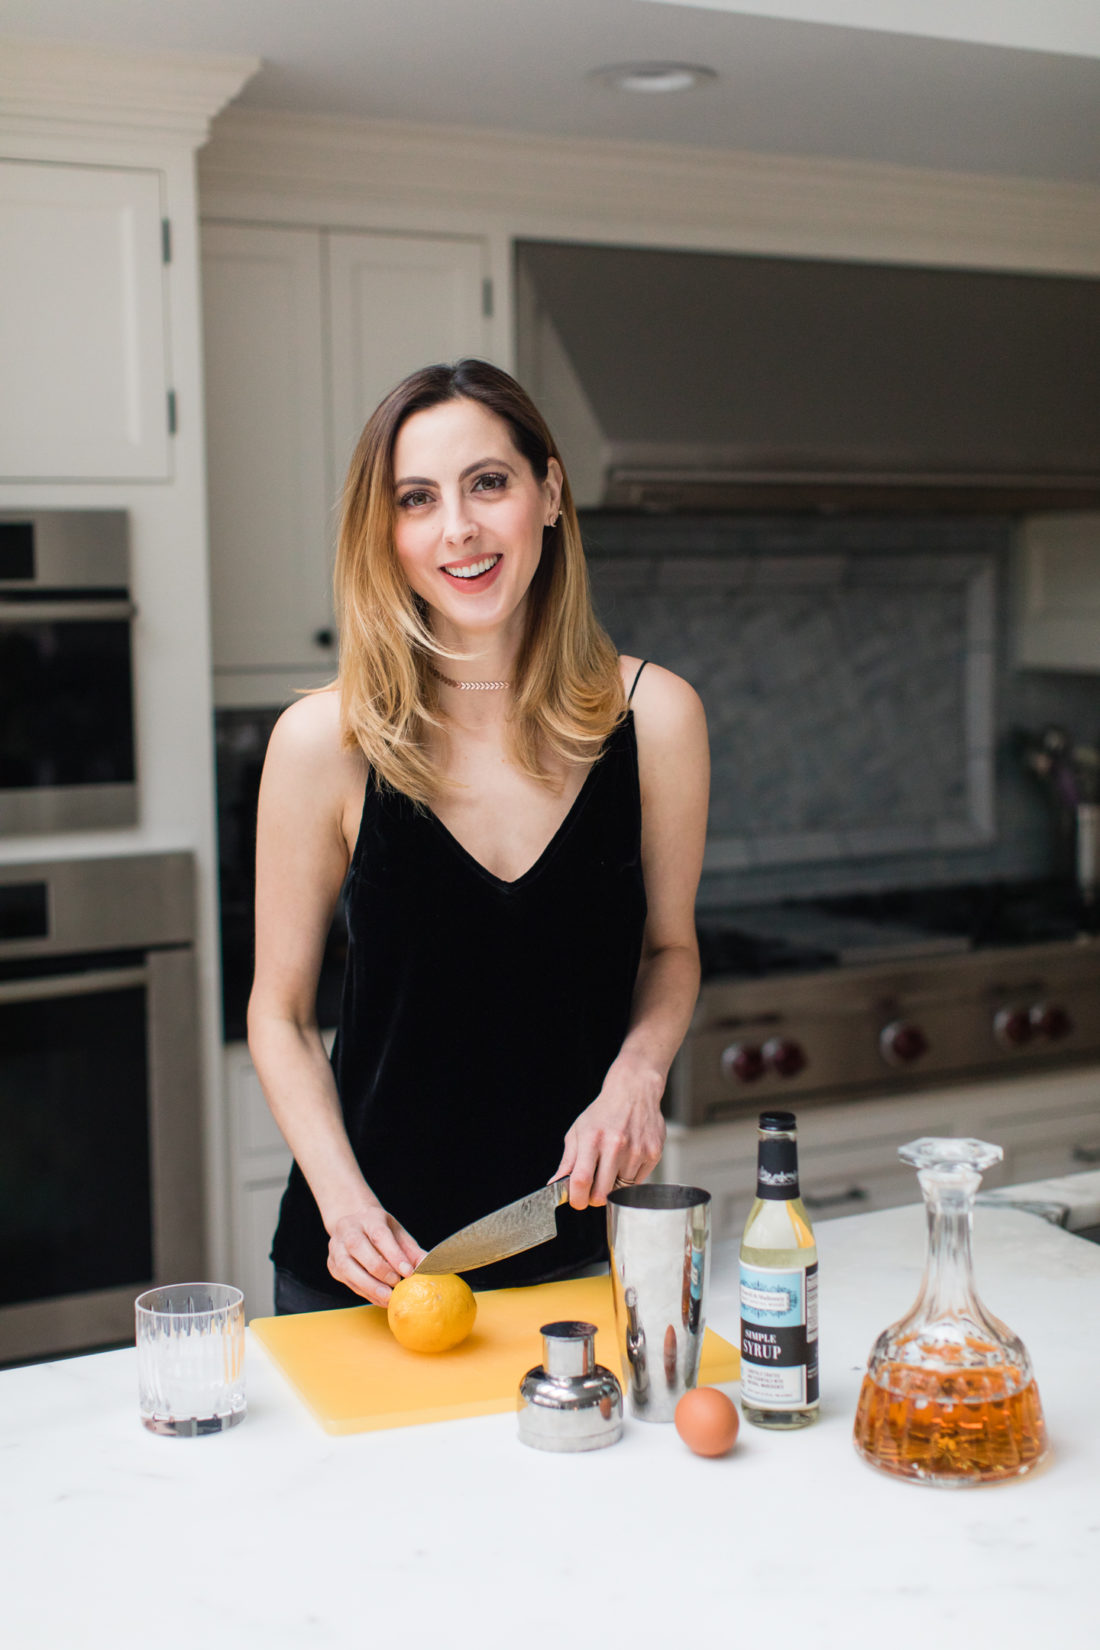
{"points": [[508, 1231]]}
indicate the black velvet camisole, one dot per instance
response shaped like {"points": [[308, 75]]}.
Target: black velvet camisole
{"points": [[479, 1018]]}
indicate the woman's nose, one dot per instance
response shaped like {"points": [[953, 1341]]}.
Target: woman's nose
{"points": [[458, 525]]}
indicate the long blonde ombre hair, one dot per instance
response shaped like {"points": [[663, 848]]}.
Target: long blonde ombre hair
{"points": [[567, 691]]}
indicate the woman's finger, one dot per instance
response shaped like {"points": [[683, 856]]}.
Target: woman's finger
{"points": [[347, 1270], [381, 1235], [607, 1175], [409, 1246], [582, 1175], [568, 1158]]}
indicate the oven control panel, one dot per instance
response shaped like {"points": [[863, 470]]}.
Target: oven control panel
{"points": [[848, 1032]]}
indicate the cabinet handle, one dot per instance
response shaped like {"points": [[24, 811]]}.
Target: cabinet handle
{"points": [[1085, 1154], [324, 638], [829, 1200]]}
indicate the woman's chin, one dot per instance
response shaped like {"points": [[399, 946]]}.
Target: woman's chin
{"points": [[468, 616]]}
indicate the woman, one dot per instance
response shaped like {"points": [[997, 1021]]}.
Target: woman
{"points": [[521, 849]]}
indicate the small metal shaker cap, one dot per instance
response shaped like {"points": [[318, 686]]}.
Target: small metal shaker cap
{"points": [[569, 1401]]}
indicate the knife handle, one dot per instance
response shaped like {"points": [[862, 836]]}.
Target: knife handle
{"points": [[561, 1188]]}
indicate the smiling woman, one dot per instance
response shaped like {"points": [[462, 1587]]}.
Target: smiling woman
{"points": [[518, 844], [455, 468]]}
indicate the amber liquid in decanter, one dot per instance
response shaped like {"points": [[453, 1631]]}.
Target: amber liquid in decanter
{"points": [[949, 1396]]}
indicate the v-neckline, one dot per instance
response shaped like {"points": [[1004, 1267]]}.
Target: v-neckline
{"points": [[547, 852]]}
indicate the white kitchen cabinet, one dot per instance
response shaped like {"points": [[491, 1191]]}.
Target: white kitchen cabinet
{"points": [[396, 302], [1041, 1142], [1058, 592], [1047, 1124], [259, 1163], [270, 527], [848, 1158], [306, 330], [82, 324]]}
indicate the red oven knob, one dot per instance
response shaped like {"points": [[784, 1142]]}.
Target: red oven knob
{"points": [[901, 1043], [742, 1063], [1013, 1027], [785, 1058], [1049, 1020]]}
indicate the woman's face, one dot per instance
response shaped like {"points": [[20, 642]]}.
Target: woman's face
{"points": [[469, 516]]}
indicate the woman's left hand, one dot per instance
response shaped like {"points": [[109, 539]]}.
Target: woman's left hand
{"points": [[619, 1137]]}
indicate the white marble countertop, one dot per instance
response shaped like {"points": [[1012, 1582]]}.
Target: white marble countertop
{"points": [[1077, 1194], [454, 1534]]}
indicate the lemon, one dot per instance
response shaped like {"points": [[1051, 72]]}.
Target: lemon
{"points": [[431, 1312]]}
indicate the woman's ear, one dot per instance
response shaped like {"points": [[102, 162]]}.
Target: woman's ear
{"points": [[553, 485]]}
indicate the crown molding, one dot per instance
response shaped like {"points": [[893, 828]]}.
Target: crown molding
{"points": [[755, 202], [46, 84]]}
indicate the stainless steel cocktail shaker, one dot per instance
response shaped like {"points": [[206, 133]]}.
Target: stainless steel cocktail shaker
{"points": [[660, 1249]]}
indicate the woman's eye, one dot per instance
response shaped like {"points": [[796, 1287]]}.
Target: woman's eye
{"points": [[491, 481], [410, 500]]}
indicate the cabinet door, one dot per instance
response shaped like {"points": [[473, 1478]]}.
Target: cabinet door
{"points": [[1058, 571], [82, 325], [396, 303], [258, 1211], [265, 422], [259, 1163]]}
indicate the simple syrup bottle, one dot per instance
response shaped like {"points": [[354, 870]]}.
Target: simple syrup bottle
{"points": [[778, 1288]]}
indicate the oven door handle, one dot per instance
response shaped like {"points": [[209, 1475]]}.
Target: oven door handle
{"points": [[46, 986], [40, 612]]}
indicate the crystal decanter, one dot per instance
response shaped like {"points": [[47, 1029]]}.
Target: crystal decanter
{"points": [[949, 1396]]}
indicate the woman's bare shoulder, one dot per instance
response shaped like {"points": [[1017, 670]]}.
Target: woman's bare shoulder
{"points": [[663, 703], [308, 741]]}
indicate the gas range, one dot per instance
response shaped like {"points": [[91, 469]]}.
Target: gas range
{"points": [[866, 993]]}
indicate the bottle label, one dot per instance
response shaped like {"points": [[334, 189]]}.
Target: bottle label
{"points": [[779, 1336], [777, 1168]]}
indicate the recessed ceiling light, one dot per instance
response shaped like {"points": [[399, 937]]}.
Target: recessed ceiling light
{"points": [[654, 77]]}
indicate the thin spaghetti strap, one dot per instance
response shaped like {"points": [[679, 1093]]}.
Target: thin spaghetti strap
{"points": [[634, 683]]}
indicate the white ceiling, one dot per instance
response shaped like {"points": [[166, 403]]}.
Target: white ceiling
{"points": [[800, 80]]}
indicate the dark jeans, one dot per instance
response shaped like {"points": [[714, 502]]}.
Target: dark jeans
{"points": [[293, 1296]]}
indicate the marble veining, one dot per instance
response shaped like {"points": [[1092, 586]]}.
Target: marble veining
{"points": [[848, 698]]}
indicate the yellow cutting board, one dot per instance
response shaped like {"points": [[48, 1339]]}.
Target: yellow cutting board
{"points": [[349, 1370]]}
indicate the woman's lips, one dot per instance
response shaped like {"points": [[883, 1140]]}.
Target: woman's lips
{"points": [[474, 572]]}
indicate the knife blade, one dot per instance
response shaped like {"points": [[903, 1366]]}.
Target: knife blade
{"points": [[508, 1231]]}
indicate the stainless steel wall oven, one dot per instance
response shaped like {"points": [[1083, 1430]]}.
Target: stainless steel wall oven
{"points": [[66, 676], [100, 1114]]}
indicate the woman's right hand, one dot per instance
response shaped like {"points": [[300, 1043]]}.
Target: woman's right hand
{"points": [[370, 1251]]}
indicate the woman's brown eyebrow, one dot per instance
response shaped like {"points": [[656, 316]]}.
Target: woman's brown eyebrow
{"points": [[425, 481], [501, 463]]}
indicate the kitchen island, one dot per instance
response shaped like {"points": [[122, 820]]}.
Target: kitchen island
{"points": [[277, 1535]]}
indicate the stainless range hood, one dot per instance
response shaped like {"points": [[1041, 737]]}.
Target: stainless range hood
{"points": [[711, 382]]}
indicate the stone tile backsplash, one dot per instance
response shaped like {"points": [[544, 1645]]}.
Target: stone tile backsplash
{"points": [[859, 693]]}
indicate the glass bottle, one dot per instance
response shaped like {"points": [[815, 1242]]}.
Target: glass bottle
{"points": [[779, 1386], [949, 1396]]}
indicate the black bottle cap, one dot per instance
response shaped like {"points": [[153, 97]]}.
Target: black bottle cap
{"points": [[776, 1121]]}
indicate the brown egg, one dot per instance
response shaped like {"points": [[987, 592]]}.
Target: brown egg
{"points": [[707, 1421]]}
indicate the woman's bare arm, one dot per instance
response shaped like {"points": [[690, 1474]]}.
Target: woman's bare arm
{"points": [[621, 1134], [309, 795]]}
